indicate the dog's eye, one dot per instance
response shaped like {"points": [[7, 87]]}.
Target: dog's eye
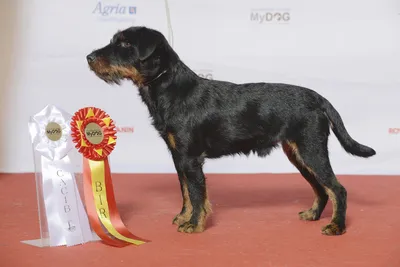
{"points": [[125, 44]]}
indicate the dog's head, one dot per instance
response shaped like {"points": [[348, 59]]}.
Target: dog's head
{"points": [[139, 54]]}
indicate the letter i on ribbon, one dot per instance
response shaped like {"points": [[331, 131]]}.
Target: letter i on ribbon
{"points": [[94, 135], [66, 219]]}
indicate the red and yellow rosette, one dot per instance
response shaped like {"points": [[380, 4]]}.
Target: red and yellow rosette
{"points": [[94, 135]]}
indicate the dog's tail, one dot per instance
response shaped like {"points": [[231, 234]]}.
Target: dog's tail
{"points": [[348, 143]]}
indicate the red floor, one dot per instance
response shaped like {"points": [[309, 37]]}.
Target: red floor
{"points": [[254, 224]]}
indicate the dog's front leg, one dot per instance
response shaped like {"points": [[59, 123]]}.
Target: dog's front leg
{"points": [[187, 208], [195, 191]]}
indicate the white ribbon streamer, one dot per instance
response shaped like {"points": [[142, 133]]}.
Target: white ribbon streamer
{"points": [[67, 220]]}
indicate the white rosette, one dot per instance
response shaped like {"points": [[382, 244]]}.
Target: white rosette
{"points": [[65, 217]]}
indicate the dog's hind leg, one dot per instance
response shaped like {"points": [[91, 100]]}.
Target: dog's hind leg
{"points": [[312, 151], [321, 198], [194, 192]]}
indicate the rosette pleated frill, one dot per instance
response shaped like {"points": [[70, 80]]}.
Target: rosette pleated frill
{"points": [[60, 205], [94, 135]]}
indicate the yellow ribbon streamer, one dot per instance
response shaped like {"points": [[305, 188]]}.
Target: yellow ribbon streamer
{"points": [[100, 198]]}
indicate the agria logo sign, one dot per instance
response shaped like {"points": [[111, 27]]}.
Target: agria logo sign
{"points": [[114, 10]]}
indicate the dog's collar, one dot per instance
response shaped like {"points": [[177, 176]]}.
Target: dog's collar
{"points": [[153, 80]]}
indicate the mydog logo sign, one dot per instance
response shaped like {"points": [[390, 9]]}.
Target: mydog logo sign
{"points": [[114, 10], [394, 130], [270, 16]]}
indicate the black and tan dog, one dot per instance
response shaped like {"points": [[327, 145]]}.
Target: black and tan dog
{"points": [[200, 118]]}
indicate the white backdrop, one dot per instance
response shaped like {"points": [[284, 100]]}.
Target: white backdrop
{"points": [[346, 50]]}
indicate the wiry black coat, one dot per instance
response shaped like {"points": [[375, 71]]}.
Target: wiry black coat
{"points": [[200, 118]]}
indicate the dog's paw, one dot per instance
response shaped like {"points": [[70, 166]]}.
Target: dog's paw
{"points": [[180, 219], [333, 229], [189, 228], [308, 215]]}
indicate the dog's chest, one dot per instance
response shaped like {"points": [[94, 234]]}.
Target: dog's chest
{"points": [[166, 115]]}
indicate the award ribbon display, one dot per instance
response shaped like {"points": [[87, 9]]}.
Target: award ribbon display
{"points": [[94, 135], [67, 221]]}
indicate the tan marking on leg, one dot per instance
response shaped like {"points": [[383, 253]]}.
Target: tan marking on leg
{"points": [[171, 140], [333, 228], [292, 152], [187, 214], [295, 151], [187, 227], [205, 213], [290, 148], [310, 215], [332, 197], [316, 203]]}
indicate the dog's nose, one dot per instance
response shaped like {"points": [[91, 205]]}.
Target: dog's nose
{"points": [[90, 58]]}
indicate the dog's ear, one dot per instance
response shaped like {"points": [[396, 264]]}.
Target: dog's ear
{"points": [[148, 44]]}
